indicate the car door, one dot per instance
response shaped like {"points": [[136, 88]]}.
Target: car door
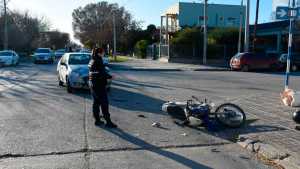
{"points": [[269, 60], [258, 61]]}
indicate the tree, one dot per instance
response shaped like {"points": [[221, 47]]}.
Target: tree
{"points": [[151, 29], [93, 24], [23, 30], [152, 35], [141, 48], [54, 39], [221, 36], [187, 42]]}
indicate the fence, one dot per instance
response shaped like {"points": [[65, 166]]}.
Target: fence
{"points": [[155, 51], [220, 54], [186, 53]]}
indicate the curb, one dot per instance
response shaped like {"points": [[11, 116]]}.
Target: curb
{"points": [[168, 69], [212, 70], [148, 69], [270, 154]]}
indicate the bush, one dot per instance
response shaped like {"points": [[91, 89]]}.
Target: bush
{"points": [[187, 42], [141, 48], [224, 36]]}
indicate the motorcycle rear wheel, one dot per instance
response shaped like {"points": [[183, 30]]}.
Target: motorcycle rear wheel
{"points": [[230, 115]]}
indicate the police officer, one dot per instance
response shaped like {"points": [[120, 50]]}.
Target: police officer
{"points": [[98, 81]]}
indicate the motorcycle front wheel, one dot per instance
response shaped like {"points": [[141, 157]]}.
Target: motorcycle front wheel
{"points": [[230, 115]]}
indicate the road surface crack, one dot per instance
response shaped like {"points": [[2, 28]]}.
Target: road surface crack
{"points": [[89, 151]]}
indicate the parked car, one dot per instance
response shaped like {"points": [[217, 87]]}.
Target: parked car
{"points": [[105, 60], [73, 71], [85, 51], [295, 61], [43, 55], [59, 53], [8, 58], [250, 61]]}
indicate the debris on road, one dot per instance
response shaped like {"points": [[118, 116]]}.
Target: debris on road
{"points": [[141, 116], [214, 150], [184, 134], [156, 125]]}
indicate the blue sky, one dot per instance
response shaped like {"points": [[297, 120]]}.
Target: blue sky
{"points": [[58, 12]]}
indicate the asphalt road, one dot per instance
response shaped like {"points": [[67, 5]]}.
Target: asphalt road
{"points": [[42, 126]]}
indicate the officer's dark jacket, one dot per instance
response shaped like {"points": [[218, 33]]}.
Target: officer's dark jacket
{"points": [[97, 73]]}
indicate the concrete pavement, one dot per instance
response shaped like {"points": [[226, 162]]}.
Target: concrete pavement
{"points": [[269, 122], [44, 127], [134, 64]]}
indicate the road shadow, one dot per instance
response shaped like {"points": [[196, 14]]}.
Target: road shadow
{"points": [[143, 145], [223, 132], [134, 101], [126, 97], [137, 85]]}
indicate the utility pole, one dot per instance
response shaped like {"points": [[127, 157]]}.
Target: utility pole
{"points": [[292, 4], [255, 25], [5, 42], [115, 37], [205, 33], [246, 48], [241, 27]]}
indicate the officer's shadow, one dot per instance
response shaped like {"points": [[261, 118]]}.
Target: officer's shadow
{"points": [[143, 145]]}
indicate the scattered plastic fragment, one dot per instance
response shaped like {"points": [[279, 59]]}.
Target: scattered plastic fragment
{"points": [[184, 134], [156, 124]]}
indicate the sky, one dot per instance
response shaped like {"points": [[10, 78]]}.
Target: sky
{"points": [[59, 12]]}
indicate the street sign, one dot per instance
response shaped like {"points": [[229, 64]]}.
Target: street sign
{"points": [[284, 12]]}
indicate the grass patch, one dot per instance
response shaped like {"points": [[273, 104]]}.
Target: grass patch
{"points": [[119, 59]]}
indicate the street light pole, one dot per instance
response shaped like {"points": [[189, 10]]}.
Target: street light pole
{"points": [[241, 27], [5, 41], [115, 38], [205, 33], [246, 48], [255, 25]]}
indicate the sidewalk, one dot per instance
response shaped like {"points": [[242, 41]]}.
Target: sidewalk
{"points": [[155, 65], [271, 130]]}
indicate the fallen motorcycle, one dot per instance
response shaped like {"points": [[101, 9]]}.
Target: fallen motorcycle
{"points": [[228, 114]]}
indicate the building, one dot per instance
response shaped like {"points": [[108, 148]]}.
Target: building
{"points": [[191, 14], [186, 14], [273, 36]]}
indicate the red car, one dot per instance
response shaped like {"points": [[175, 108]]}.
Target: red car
{"points": [[250, 61]]}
